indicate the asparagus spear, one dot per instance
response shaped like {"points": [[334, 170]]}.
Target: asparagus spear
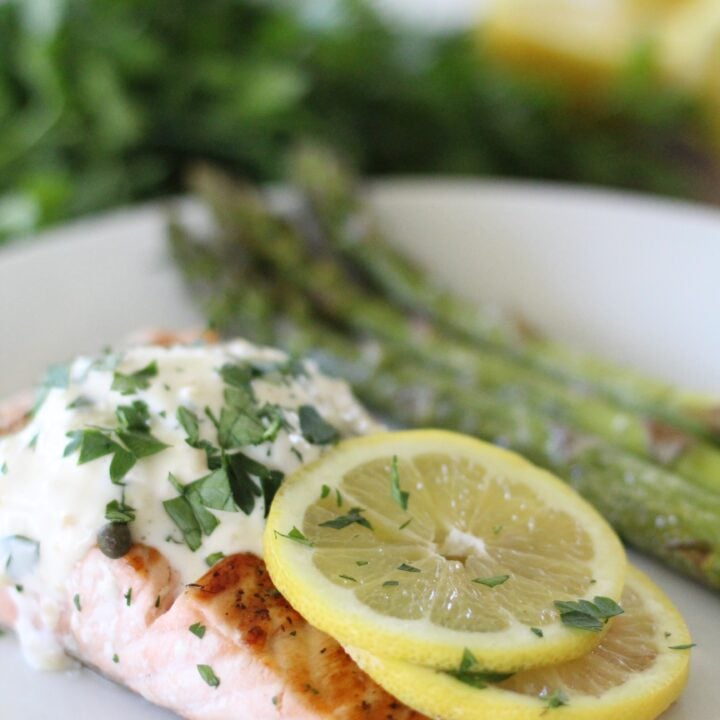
{"points": [[338, 215], [244, 216], [652, 508]]}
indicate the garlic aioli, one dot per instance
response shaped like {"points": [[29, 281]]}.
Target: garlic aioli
{"points": [[46, 496]]}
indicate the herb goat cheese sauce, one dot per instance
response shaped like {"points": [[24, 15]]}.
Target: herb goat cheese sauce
{"points": [[182, 446]]}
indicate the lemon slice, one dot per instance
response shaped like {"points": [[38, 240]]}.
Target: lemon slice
{"points": [[416, 545], [638, 669]]}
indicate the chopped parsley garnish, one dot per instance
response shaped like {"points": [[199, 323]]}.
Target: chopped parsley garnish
{"points": [[231, 488], [76, 602], [686, 646], [118, 511], [197, 629], [405, 524], [213, 558], [497, 529], [408, 568], [115, 658], [4, 469], [56, 376], [128, 597], [295, 535], [360, 563], [33, 441], [469, 672], [401, 497], [19, 588], [537, 631], [191, 424], [207, 674], [348, 577], [338, 498], [181, 513], [324, 491], [133, 431], [557, 699], [492, 582], [586, 615], [314, 428], [134, 417], [343, 521], [80, 401], [390, 583], [141, 444], [132, 382]]}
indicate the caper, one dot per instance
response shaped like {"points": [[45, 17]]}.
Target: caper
{"points": [[114, 539]]}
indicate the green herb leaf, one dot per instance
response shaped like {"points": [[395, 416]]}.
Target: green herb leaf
{"points": [[324, 491], [207, 674], [190, 424], [198, 630], [76, 602], [401, 497], [360, 563], [56, 376], [557, 699], [128, 597], [115, 658], [181, 513], [348, 577], [342, 521], [240, 427], [119, 512], [4, 468], [141, 444], [213, 558], [390, 583], [80, 401], [122, 462], [131, 383], [206, 520], [239, 375], [243, 487], [91, 443], [314, 428], [469, 672], [408, 568], [492, 582], [586, 615], [537, 631], [214, 491], [295, 535], [134, 417], [686, 646]]}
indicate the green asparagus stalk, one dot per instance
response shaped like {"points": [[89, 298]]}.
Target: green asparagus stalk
{"points": [[275, 245], [339, 215], [653, 509]]}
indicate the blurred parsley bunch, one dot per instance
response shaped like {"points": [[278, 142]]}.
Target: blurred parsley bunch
{"points": [[105, 102]]}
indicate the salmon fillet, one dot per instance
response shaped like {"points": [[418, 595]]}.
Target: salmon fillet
{"points": [[130, 619]]}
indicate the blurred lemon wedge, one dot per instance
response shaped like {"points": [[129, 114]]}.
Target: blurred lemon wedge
{"points": [[423, 545]]}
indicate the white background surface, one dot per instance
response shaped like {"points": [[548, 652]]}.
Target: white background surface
{"points": [[632, 278]]}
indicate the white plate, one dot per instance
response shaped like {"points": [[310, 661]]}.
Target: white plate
{"points": [[632, 278]]}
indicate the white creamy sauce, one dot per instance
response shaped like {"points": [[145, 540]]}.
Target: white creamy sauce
{"points": [[61, 504]]}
